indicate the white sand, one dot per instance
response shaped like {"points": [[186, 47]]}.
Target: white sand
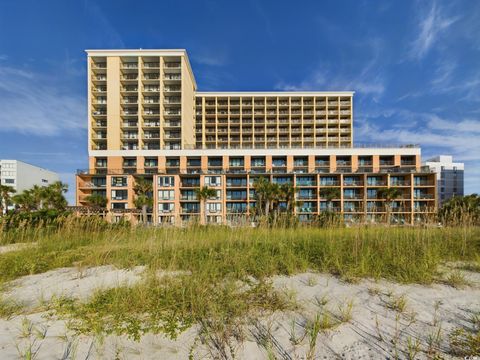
{"points": [[360, 338], [32, 290], [14, 247]]}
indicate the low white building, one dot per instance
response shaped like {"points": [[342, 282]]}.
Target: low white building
{"points": [[449, 177], [22, 176]]}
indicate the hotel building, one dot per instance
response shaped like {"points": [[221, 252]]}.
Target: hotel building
{"points": [[449, 177], [147, 119]]}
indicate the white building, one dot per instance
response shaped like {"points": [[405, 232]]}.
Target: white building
{"points": [[22, 176], [449, 177]]}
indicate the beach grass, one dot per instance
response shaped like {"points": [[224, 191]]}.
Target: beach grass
{"points": [[224, 271]]}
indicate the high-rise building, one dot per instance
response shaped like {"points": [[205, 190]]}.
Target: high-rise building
{"points": [[22, 176], [449, 177], [147, 119]]}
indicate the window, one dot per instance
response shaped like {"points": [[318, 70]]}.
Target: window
{"points": [[45, 181], [166, 207], [236, 195], [119, 194], [119, 205], [9, 181], [236, 162], [119, 181], [279, 162], [257, 161], [213, 208], [166, 195], [213, 181], [101, 162], [166, 181]]}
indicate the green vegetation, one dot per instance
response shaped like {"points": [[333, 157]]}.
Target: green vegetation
{"points": [[42, 197], [461, 211], [143, 196], [96, 200], [224, 271], [5, 197], [203, 194], [270, 197], [389, 194]]}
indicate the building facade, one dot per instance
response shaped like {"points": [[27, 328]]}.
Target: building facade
{"points": [[449, 177], [22, 176], [147, 119]]}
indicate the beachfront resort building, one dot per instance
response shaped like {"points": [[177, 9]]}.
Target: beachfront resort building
{"points": [[146, 119], [449, 177]]}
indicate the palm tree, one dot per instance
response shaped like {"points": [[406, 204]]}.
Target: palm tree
{"points": [[288, 192], [5, 192], [260, 185], [53, 197], [461, 210], [96, 200], [330, 194], [389, 194], [24, 200], [203, 194], [38, 196], [143, 190]]}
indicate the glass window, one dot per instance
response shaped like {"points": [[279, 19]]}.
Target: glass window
{"points": [[213, 181], [166, 181], [118, 181], [166, 207], [119, 194], [166, 195]]}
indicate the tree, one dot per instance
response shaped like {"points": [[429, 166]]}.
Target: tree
{"points": [[53, 196], [203, 194], [143, 191], [389, 194], [287, 193], [330, 194], [25, 201], [5, 192], [267, 195], [96, 200], [461, 210]]}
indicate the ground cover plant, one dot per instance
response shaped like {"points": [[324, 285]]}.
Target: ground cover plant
{"points": [[224, 272]]}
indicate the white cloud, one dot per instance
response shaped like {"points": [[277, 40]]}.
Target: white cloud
{"points": [[436, 135], [431, 23], [31, 104]]}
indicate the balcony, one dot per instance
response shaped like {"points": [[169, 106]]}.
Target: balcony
{"points": [[151, 65], [172, 77], [151, 124], [172, 65], [172, 89], [172, 112], [129, 66], [129, 89], [151, 77], [151, 113], [129, 77], [130, 113]]}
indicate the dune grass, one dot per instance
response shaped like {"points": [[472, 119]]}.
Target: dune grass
{"points": [[217, 260]]}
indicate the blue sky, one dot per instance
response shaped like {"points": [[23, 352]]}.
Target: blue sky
{"points": [[415, 65]]}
